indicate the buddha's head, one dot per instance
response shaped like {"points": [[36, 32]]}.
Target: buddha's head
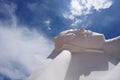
{"points": [[79, 40]]}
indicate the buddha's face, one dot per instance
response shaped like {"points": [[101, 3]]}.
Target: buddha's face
{"points": [[79, 40]]}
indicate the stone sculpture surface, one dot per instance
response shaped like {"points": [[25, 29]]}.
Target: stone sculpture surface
{"points": [[92, 57]]}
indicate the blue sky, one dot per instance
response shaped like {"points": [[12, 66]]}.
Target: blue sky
{"points": [[27, 27], [35, 14]]}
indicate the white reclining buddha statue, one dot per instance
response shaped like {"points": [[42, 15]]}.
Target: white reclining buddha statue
{"points": [[81, 55]]}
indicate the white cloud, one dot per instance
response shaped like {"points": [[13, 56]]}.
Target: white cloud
{"points": [[76, 8], [99, 4], [21, 49], [77, 21], [22, 46], [47, 23], [84, 7], [68, 16]]}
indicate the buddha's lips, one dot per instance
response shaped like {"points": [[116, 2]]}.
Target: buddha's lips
{"points": [[87, 51]]}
